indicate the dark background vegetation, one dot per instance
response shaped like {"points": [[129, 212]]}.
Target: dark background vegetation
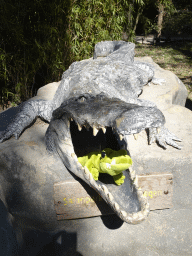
{"points": [[40, 39]]}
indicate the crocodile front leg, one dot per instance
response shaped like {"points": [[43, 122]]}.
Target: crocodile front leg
{"points": [[28, 111], [163, 136]]}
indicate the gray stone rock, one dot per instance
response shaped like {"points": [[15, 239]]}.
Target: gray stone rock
{"points": [[29, 174]]}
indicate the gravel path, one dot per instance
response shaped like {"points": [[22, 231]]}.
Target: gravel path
{"points": [[149, 39]]}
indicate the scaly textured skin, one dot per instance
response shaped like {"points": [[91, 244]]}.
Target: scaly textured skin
{"points": [[99, 93]]}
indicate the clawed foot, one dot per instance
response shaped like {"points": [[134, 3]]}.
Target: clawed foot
{"points": [[163, 136], [1, 136], [4, 135]]}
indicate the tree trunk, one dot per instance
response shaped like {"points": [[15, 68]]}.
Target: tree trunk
{"points": [[130, 18], [137, 18], [128, 29], [160, 20]]}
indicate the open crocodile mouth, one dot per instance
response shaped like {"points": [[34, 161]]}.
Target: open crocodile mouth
{"points": [[91, 123], [123, 199]]}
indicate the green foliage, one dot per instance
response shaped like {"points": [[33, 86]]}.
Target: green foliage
{"points": [[33, 34], [149, 17], [183, 5], [94, 21], [179, 23], [173, 56], [49, 35], [148, 25]]}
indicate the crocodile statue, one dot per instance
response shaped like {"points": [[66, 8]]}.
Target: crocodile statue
{"points": [[96, 106]]}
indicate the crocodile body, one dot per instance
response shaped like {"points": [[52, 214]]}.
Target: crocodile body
{"points": [[97, 106]]}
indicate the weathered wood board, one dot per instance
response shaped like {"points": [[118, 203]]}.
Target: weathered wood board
{"points": [[73, 201], [158, 189]]}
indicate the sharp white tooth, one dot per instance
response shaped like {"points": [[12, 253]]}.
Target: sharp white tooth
{"points": [[79, 164], [116, 206], [123, 213], [86, 170], [87, 173], [95, 131], [147, 207], [146, 212], [74, 156], [105, 189], [129, 219], [103, 129], [120, 136], [79, 127], [130, 169], [91, 177], [140, 193], [141, 215], [158, 130], [110, 196], [135, 216], [132, 172], [136, 136]]}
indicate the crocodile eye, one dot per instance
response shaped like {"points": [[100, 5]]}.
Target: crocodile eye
{"points": [[103, 154]]}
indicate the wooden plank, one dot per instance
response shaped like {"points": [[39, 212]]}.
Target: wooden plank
{"points": [[73, 201], [158, 189]]}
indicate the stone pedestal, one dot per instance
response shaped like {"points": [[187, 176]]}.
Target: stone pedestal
{"points": [[32, 183]]}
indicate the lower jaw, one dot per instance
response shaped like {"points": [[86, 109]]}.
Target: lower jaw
{"points": [[126, 200]]}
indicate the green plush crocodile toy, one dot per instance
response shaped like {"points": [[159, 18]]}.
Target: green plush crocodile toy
{"points": [[108, 161]]}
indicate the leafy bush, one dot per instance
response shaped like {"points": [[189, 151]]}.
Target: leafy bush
{"points": [[180, 23], [94, 21], [40, 39], [33, 35]]}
